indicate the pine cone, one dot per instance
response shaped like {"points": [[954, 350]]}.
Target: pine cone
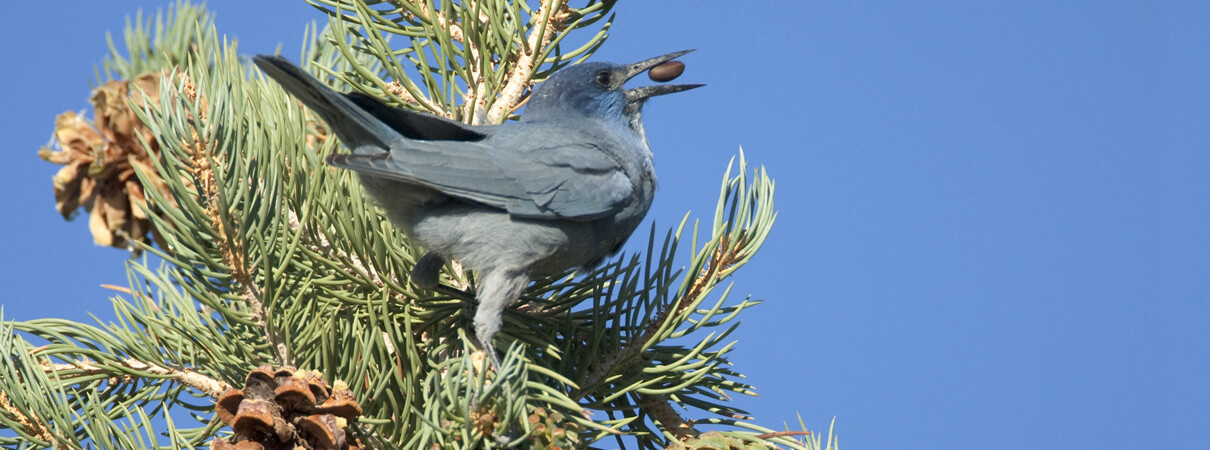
{"points": [[287, 409], [99, 161]]}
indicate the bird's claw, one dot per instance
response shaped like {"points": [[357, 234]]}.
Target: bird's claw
{"points": [[426, 275]]}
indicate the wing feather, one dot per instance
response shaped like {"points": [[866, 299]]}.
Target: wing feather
{"points": [[562, 181]]}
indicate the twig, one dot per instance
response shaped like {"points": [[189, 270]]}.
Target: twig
{"points": [[210, 386], [782, 433], [456, 33], [543, 33], [326, 246], [660, 409], [31, 425]]}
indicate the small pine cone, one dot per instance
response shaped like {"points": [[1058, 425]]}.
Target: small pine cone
{"points": [[287, 409], [552, 430]]}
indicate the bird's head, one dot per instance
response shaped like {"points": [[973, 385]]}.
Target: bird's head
{"points": [[596, 90]]}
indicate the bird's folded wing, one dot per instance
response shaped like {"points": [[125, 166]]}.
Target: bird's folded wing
{"points": [[572, 181], [415, 125], [575, 182]]}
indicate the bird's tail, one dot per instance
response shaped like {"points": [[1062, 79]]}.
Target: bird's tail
{"points": [[357, 128]]}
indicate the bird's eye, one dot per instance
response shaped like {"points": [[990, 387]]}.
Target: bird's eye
{"points": [[604, 78]]}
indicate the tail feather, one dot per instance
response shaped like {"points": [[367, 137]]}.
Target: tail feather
{"points": [[356, 127]]}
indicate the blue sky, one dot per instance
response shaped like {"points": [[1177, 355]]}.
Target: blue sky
{"points": [[994, 222]]}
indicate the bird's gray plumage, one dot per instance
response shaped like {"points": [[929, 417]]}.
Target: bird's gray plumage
{"points": [[562, 188]]}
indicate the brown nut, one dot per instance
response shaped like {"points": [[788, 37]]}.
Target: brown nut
{"points": [[666, 71]]}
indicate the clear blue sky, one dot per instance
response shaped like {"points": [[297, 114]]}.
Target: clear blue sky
{"points": [[994, 226]]}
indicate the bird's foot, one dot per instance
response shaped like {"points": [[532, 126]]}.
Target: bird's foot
{"points": [[466, 297], [426, 274], [489, 352]]}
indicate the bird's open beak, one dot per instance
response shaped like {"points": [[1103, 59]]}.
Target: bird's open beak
{"points": [[644, 92]]}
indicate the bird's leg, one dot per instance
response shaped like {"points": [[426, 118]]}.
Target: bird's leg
{"points": [[426, 274], [497, 289], [467, 297]]}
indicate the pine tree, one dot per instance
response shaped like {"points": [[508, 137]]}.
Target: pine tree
{"points": [[275, 309]]}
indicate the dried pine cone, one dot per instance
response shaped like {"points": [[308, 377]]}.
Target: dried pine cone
{"points": [[99, 161], [287, 409]]}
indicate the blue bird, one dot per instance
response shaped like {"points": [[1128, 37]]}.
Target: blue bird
{"points": [[564, 187]]}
